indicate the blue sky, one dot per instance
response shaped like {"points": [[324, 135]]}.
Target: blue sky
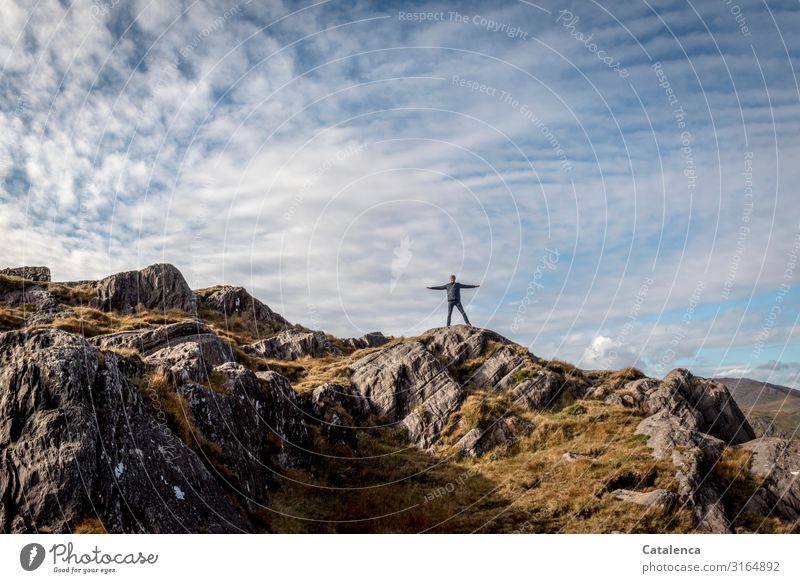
{"points": [[620, 177]]}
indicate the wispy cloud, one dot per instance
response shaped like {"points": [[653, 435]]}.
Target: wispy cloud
{"points": [[290, 148]]}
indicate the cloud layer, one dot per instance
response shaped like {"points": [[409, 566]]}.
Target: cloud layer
{"points": [[336, 158]]}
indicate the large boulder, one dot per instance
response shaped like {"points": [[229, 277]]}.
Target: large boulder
{"points": [[256, 424], [147, 341], [689, 420], [186, 350], [192, 360], [776, 464], [237, 301], [704, 404], [407, 385], [498, 371], [157, 287], [542, 390], [77, 441], [36, 298], [339, 410], [503, 432], [31, 273], [368, 340], [293, 344], [454, 345], [693, 454]]}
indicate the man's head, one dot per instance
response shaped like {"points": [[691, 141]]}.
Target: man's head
{"points": [[452, 279]]}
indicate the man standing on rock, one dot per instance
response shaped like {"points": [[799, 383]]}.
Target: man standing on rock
{"points": [[454, 297]]}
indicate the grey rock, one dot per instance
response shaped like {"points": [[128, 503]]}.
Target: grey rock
{"points": [[77, 441], [237, 301], [505, 432], [293, 344], [693, 454], [150, 340], [285, 419], [658, 498], [407, 385], [339, 410], [46, 317], [369, 340], [247, 421], [37, 298], [31, 273], [541, 391], [157, 287], [497, 372], [704, 404], [345, 398], [454, 345], [776, 463], [192, 360]]}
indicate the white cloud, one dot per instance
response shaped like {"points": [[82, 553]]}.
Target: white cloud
{"points": [[231, 165]]}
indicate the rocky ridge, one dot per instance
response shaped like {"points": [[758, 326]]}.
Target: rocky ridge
{"points": [[199, 411]]}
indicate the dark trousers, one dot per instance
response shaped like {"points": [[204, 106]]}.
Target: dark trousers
{"points": [[450, 306]]}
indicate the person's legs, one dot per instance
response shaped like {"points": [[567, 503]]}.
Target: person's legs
{"points": [[449, 311], [463, 313]]}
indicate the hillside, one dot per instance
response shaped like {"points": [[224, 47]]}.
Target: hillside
{"points": [[134, 404], [772, 410]]}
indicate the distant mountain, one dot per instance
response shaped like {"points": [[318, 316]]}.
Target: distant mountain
{"points": [[773, 410]]}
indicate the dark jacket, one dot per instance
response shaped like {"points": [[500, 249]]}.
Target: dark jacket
{"points": [[453, 290]]}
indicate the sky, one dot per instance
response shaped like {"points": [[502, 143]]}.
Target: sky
{"points": [[620, 177]]}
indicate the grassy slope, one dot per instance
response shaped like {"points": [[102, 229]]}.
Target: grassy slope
{"points": [[771, 409]]}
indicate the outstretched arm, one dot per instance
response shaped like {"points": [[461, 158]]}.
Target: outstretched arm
{"points": [[438, 287], [464, 285]]}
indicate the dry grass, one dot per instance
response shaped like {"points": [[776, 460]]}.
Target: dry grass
{"points": [[91, 322], [173, 410], [9, 283], [88, 526], [408, 490], [733, 477], [167, 405], [129, 352], [75, 295], [239, 329], [12, 319]]}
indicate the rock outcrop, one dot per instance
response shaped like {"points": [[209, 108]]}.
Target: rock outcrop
{"points": [[690, 421], [339, 410], [504, 432], [368, 340], [454, 345], [776, 465], [157, 287], [702, 404], [178, 428], [543, 390], [186, 350], [293, 344], [237, 301], [78, 442], [31, 273], [407, 385], [255, 422]]}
